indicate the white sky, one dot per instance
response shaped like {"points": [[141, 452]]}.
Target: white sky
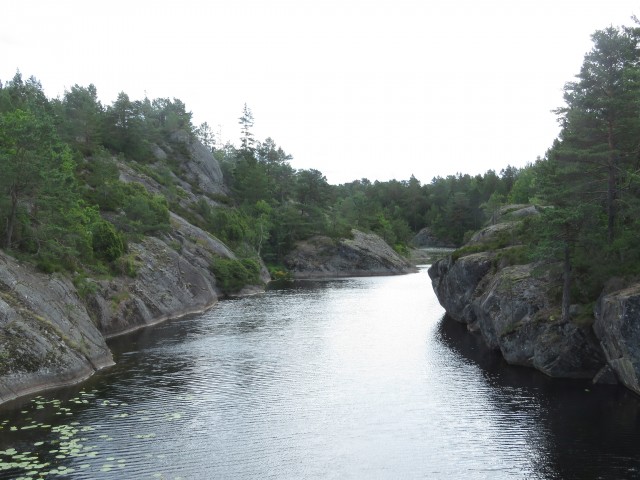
{"points": [[379, 89]]}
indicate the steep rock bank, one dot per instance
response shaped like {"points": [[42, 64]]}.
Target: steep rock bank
{"points": [[50, 335], [617, 325], [511, 308], [366, 254], [172, 279], [53, 329], [47, 338], [514, 306]]}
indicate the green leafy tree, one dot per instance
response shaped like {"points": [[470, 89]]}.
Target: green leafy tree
{"points": [[107, 242], [124, 129], [312, 189]]}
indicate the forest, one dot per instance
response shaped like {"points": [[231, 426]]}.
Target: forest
{"points": [[64, 207], [60, 191]]}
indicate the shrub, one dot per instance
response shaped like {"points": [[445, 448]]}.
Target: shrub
{"points": [[107, 243], [232, 275]]}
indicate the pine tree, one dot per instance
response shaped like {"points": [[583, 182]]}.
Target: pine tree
{"points": [[246, 124]]}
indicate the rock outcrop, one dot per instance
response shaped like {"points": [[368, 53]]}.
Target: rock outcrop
{"points": [[53, 332], [47, 338], [50, 335], [512, 304], [366, 254], [512, 310], [172, 278], [617, 326]]}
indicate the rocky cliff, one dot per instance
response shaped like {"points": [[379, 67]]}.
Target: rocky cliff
{"points": [[513, 309], [47, 337], [514, 306], [363, 255], [53, 329], [617, 325]]}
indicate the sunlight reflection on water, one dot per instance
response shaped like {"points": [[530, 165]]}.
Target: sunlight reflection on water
{"points": [[352, 378]]}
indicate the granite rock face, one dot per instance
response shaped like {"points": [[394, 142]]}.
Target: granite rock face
{"points": [[53, 332], [172, 279], [47, 338], [617, 326], [50, 336], [366, 254], [515, 315], [511, 308]]}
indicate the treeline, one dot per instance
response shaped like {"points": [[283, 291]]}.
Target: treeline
{"points": [[288, 205], [590, 175], [63, 205]]}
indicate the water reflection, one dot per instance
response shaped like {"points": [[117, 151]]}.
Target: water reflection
{"points": [[589, 431], [352, 378]]}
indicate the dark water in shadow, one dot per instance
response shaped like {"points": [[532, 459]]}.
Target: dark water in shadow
{"points": [[352, 378]]}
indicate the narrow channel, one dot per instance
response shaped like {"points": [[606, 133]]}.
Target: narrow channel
{"points": [[351, 378]]}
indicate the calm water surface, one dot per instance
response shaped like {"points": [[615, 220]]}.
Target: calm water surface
{"points": [[353, 378]]}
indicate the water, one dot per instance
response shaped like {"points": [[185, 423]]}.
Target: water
{"points": [[352, 378]]}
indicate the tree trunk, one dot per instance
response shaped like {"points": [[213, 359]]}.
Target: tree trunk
{"points": [[566, 285]]}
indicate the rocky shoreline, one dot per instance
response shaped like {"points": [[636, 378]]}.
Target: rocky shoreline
{"points": [[53, 327], [514, 309], [53, 333]]}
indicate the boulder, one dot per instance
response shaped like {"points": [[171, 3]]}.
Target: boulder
{"points": [[493, 233]]}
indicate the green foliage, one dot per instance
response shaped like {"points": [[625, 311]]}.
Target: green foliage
{"points": [[496, 242], [127, 265], [84, 285], [144, 213], [231, 225], [107, 243], [140, 212], [280, 274], [232, 275], [515, 255], [82, 112]]}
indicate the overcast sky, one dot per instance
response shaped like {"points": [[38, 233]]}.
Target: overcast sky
{"points": [[379, 89]]}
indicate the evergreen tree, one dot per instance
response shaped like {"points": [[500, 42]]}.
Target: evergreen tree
{"points": [[246, 135], [598, 145]]}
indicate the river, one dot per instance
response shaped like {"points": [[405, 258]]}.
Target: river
{"points": [[357, 378]]}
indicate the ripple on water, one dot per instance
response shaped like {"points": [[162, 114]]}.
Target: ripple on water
{"points": [[354, 378]]}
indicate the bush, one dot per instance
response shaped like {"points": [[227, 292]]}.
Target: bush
{"points": [[127, 265], [107, 243], [232, 275], [279, 273]]}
